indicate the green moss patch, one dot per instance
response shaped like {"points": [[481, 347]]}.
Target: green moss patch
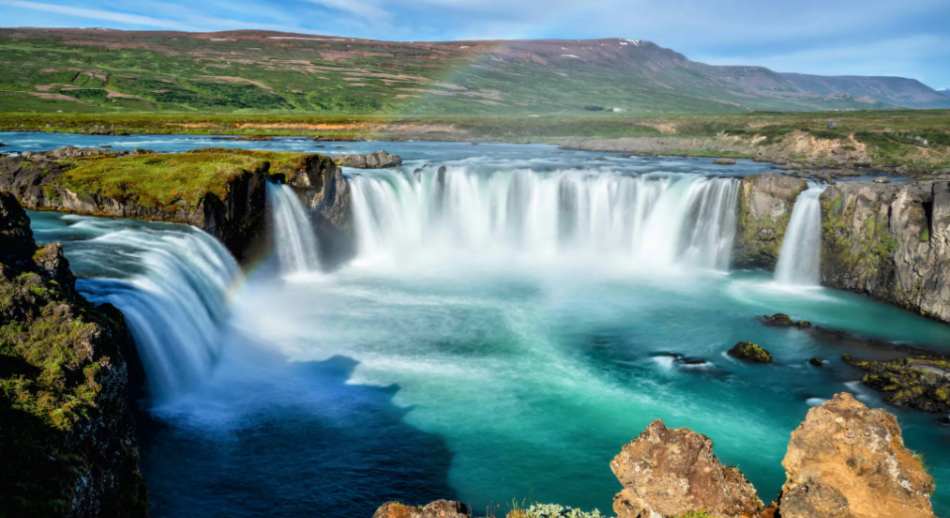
{"points": [[162, 180]]}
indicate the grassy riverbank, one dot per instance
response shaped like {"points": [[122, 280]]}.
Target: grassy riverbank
{"points": [[909, 141]]}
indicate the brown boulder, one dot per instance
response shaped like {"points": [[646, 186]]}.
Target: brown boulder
{"points": [[436, 509], [846, 460], [671, 472]]}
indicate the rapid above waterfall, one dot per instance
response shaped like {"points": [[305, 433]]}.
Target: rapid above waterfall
{"points": [[174, 306], [649, 220], [295, 241], [799, 260]]}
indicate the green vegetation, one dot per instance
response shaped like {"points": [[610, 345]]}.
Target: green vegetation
{"points": [[163, 180], [551, 511]]}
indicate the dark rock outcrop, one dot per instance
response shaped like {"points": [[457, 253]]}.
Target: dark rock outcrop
{"points": [[891, 242], [66, 430], [375, 160], [671, 472], [783, 320], [765, 207], [846, 460], [326, 191], [750, 352], [917, 381]]}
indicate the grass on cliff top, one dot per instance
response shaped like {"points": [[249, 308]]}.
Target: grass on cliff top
{"points": [[161, 180]]}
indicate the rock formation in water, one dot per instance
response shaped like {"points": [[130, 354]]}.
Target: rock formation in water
{"points": [[918, 381], [375, 160], [846, 460], [765, 207], [891, 242], [231, 206], [671, 472], [750, 352], [783, 320], [66, 430]]}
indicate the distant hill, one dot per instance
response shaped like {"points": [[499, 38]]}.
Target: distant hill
{"points": [[109, 70]]}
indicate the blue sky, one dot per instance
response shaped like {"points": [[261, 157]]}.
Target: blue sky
{"points": [[908, 38]]}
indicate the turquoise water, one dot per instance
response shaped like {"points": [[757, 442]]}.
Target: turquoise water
{"points": [[489, 377]]}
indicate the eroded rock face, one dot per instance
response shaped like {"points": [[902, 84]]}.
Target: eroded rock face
{"points": [[670, 472], [846, 460], [66, 431], [891, 242], [326, 191], [436, 509], [765, 207]]}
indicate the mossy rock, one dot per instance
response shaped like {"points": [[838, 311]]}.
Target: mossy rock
{"points": [[750, 352]]}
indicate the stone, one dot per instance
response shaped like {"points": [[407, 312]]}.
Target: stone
{"points": [[751, 352], [436, 509], [846, 460], [375, 160], [765, 207], [725, 161], [918, 381], [816, 362], [783, 320], [882, 179], [671, 472], [889, 241]]}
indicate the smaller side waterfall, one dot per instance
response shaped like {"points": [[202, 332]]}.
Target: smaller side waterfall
{"points": [[799, 260], [295, 241]]}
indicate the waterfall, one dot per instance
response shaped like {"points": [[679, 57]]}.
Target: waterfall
{"points": [[295, 240], [175, 306], [799, 260], [644, 220]]}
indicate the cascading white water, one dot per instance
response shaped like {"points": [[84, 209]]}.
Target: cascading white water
{"points": [[175, 307], [295, 240], [645, 220], [799, 260]]}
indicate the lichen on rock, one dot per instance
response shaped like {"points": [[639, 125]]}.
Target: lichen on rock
{"points": [[672, 472], [846, 460]]}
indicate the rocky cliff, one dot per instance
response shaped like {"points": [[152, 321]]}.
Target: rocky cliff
{"points": [[220, 191], [844, 461], [891, 242], [66, 428], [765, 207]]}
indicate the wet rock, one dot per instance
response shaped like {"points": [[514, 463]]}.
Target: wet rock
{"points": [[375, 160], [436, 509], [725, 161], [882, 179], [783, 320], [765, 207], [846, 460], [918, 381], [816, 362], [671, 472], [751, 352], [889, 241]]}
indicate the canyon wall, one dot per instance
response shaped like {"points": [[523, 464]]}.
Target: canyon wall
{"points": [[765, 207]]}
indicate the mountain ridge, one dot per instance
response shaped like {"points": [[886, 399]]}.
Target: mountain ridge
{"points": [[115, 70]]}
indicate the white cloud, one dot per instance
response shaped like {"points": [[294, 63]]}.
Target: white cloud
{"points": [[97, 14]]}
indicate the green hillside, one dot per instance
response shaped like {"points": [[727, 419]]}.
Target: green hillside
{"points": [[105, 70]]}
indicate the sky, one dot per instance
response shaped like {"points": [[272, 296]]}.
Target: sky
{"points": [[909, 38]]}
